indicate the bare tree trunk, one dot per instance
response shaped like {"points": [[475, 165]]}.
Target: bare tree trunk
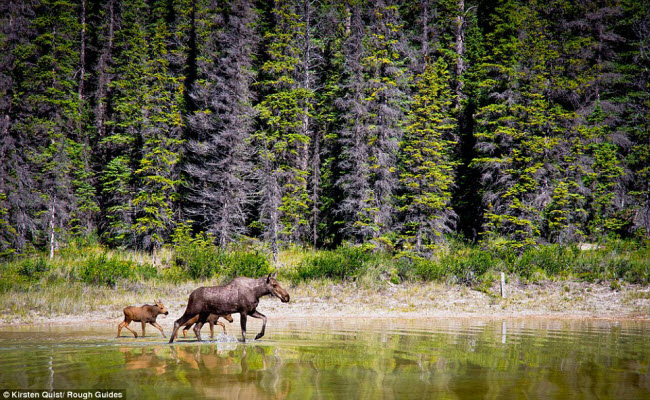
{"points": [[304, 151], [315, 188], [52, 245], [104, 79], [82, 61], [425, 33], [460, 50]]}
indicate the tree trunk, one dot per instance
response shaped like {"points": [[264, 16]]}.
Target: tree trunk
{"points": [[460, 51]]}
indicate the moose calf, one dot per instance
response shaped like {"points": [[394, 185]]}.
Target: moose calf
{"points": [[212, 320], [145, 314]]}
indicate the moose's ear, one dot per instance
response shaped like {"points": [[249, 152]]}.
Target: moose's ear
{"points": [[268, 278], [275, 274]]}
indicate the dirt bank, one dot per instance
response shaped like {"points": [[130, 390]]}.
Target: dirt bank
{"points": [[412, 300]]}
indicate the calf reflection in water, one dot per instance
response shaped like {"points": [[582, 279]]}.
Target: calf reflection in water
{"points": [[241, 295]]}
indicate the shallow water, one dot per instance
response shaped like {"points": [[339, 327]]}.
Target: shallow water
{"points": [[343, 359]]}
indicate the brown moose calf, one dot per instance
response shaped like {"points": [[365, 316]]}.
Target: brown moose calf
{"points": [[212, 320], [145, 314]]}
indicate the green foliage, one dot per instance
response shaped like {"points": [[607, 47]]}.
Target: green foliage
{"points": [[552, 259], [343, 263], [199, 258], [427, 151], [33, 269], [370, 119], [105, 270]]}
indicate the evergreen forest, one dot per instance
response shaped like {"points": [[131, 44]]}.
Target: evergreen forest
{"points": [[394, 124]]}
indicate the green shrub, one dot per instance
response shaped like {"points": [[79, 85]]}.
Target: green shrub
{"points": [[343, 263], [198, 261], [242, 263], [33, 269], [551, 259], [102, 270], [429, 270]]}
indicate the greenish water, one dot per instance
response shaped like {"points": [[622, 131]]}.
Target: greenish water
{"points": [[349, 358]]}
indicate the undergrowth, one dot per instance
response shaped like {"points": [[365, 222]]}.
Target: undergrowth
{"points": [[79, 273]]}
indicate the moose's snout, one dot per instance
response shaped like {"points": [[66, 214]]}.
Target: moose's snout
{"points": [[166, 312], [285, 299]]}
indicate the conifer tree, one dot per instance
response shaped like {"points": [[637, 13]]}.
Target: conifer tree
{"points": [[53, 101], [372, 107], [18, 204], [157, 175], [123, 131], [427, 173], [218, 165], [520, 131], [284, 135]]}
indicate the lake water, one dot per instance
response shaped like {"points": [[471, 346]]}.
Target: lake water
{"points": [[342, 358]]}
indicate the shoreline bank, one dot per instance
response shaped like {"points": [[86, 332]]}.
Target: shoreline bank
{"points": [[551, 299]]}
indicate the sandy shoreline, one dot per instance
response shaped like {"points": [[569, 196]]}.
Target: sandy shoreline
{"points": [[557, 300]]}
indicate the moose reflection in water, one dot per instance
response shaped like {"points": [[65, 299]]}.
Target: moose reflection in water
{"points": [[251, 373], [241, 295]]}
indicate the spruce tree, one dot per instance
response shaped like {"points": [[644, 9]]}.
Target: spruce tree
{"points": [[427, 151], [520, 131], [283, 137], [375, 84], [218, 157]]}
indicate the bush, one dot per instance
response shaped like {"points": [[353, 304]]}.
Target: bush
{"points": [[33, 269], [552, 259], [242, 263], [467, 265], [429, 270], [103, 270], [342, 263], [198, 261]]}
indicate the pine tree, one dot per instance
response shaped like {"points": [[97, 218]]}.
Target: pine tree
{"points": [[638, 118], [161, 137], [54, 101], [18, 204], [284, 135], [427, 152], [123, 130], [218, 166], [520, 131], [376, 80]]}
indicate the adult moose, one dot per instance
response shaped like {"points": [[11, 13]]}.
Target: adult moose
{"points": [[241, 295]]}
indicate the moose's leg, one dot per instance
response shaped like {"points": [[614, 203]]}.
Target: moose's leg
{"points": [[180, 322], [155, 324], [222, 325], [242, 320], [132, 331], [203, 317], [143, 325], [197, 330], [125, 324], [188, 325], [257, 314], [211, 329]]}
